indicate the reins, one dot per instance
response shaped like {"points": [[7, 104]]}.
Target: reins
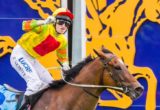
{"points": [[91, 85]]}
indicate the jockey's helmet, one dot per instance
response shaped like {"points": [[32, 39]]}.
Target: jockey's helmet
{"points": [[63, 13]]}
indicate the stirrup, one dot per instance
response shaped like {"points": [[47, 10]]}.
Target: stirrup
{"points": [[30, 101], [25, 104]]}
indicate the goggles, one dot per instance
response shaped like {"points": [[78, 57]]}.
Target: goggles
{"points": [[61, 22]]}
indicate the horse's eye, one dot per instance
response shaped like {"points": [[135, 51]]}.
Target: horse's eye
{"points": [[117, 68], [106, 64], [126, 66]]}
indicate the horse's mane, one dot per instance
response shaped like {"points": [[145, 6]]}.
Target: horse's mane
{"points": [[72, 73]]}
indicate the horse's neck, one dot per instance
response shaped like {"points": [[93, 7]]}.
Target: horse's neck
{"points": [[79, 99], [88, 75]]}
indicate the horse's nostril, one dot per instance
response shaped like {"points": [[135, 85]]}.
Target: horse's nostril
{"points": [[139, 90]]}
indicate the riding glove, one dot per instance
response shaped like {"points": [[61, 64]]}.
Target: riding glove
{"points": [[50, 19], [65, 66]]}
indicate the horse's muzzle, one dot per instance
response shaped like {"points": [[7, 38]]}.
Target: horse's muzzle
{"points": [[135, 93], [139, 91]]}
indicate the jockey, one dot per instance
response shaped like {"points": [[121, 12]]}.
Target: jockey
{"points": [[41, 38]]}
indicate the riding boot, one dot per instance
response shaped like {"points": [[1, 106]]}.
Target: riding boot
{"points": [[35, 87]]}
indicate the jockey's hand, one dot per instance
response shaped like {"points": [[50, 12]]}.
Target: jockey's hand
{"points": [[50, 19], [65, 66]]}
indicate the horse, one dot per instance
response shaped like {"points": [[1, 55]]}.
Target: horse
{"points": [[83, 84]]}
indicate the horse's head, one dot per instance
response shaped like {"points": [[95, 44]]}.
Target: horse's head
{"points": [[116, 74]]}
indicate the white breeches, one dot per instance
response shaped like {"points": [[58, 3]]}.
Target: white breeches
{"points": [[35, 75]]}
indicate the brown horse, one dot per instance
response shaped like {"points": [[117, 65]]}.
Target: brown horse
{"points": [[87, 80]]}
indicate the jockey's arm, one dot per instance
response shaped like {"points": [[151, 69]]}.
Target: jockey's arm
{"points": [[62, 54], [32, 25], [36, 25]]}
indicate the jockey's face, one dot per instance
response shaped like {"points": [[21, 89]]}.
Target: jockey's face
{"points": [[62, 26]]}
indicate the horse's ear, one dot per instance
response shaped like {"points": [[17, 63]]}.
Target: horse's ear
{"points": [[99, 53], [102, 47], [95, 51], [91, 56], [105, 50]]}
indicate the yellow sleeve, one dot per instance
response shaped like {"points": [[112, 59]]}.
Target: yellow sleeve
{"points": [[62, 50]]}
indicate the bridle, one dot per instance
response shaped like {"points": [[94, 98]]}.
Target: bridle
{"points": [[105, 62]]}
